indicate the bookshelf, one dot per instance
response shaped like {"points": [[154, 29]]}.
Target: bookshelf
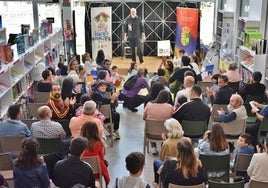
{"points": [[17, 77]]}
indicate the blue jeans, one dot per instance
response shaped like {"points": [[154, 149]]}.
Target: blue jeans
{"points": [[69, 46], [157, 165]]}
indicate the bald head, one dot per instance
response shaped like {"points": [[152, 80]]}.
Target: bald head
{"points": [[188, 81], [44, 112], [89, 107], [133, 12]]}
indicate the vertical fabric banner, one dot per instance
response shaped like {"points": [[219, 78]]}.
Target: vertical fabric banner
{"points": [[101, 29], [186, 29]]}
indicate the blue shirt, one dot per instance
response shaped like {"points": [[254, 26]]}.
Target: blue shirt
{"points": [[13, 128], [34, 177], [204, 147], [264, 111], [243, 150]]}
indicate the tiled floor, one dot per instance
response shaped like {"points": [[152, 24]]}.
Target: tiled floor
{"points": [[132, 132]]}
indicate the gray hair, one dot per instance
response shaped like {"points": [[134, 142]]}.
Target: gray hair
{"points": [[174, 128], [89, 107]]}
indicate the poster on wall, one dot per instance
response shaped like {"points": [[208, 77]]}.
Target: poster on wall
{"points": [[163, 48], [101, 31], [186, 29]]}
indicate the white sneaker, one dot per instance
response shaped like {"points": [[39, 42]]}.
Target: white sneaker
{"points": [[116, 134], [154, 151]]}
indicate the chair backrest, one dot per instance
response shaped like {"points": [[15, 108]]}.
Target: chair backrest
{"points": [[242, 162], [170, 185], [11, 144], [65, 125], [49, 145], [32, 110], [6, 162], [263, 129], [214, 111], [234, 128], [215, 184], [94, 162], [257, 98], [40, 97], [29, 122], [204, 85], [154, 129], [217, 166], [234, 86], [194, 129], [257, 184]]}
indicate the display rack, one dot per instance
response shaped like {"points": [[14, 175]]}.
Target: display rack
{"points": [[16, 77]]}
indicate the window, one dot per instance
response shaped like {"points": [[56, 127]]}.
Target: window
{"points": [[244, 8]]}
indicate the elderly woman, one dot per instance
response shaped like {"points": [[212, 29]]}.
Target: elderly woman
{"points": [[169, 147]]}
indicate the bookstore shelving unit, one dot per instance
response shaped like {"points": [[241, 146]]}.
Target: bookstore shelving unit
{"points": [[16, 77]]}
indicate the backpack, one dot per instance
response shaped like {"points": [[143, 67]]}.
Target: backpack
{"points": [[130, 82]]}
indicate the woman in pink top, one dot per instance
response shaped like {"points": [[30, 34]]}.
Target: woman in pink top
{"points": [[69, 38], [159, 110]]}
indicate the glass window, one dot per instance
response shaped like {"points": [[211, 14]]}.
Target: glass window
{"points": [[244, 8], [50, 10]]}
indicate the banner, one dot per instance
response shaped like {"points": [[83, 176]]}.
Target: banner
{"points": [[186, 30], [101, 31]]}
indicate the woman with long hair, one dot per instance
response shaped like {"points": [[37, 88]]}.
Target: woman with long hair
{"points": [[73, 70], [95, 146], [185, 170], [29, 169], [214, 142], [100, 57], [133, 69], [159, 110]]}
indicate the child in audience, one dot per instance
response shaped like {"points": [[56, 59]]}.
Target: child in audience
{"points": [[89, 63], [244, 147], [116, 78], [134, 164]]}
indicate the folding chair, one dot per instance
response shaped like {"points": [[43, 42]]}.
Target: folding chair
{"points": [[217, 166], [94, 162], [106, 111], [242, 163], [170, 185], [11, 144], [204, 85], [152, 132], [40, 97], [6, 166], [263, 130], [32, 110], [215, 184], [50, 145], [233, 129]]}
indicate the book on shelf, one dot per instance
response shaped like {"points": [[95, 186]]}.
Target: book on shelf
{"points": [[6, 53]]}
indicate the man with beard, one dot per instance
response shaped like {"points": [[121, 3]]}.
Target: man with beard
{"points": [[236, 110], [60, 109]]}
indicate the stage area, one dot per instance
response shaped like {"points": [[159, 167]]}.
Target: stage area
{"points": [[150, 62]]}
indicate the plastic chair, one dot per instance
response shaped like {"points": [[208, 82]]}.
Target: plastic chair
{"points": [[40, 97], [32, 110], [170, 185], [11, 144], [194, 129], [257, 184], [6, 166], [263, 130], [217, 166], [233, 129], [204, 85], [242, 163], [214, 112], [152, 132], [94, 162], [50, 145], [214, 184], [106, 111]]}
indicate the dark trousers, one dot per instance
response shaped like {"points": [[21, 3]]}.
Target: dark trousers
{"points": [[136, 42], [132, 102], [253, 129]]}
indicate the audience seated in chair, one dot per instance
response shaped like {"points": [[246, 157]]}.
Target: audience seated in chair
{"points": [[13, 126], [46, 83], [257, 169], [29, 169], [169, 147], [232, 74], [188, 84], [134, 164], [214, 142], [236, 110], [73, 170], [185, 170]]}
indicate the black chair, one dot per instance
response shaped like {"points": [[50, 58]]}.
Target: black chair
{"points": [[217, 166], [50, 145], [194, 129], [263, 130]]}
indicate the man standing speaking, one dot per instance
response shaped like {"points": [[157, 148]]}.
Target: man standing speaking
{"points": [[134, 33]]}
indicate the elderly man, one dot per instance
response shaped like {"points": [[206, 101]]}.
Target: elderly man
{"points": [[60, 109], [188, 84], [77, 123], [236, 110], [45, 128]]}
